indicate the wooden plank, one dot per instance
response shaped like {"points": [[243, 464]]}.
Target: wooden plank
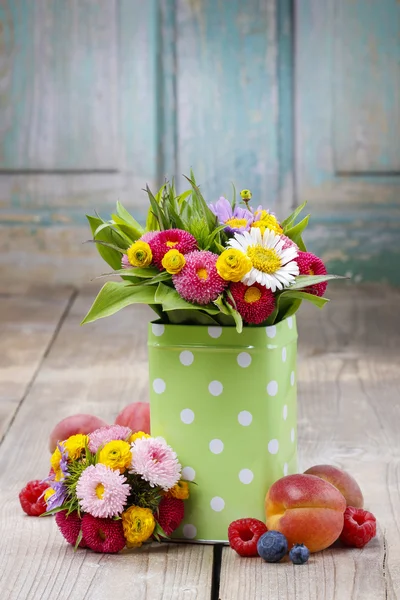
{"points": [[367, 83], [59, 88], [96, 369], [28, 323], [227, 96], [348, 382]]}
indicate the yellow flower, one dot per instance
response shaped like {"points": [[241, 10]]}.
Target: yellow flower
{"points": [[267, 221], [140, 254], [116, 455], [55, 460], [173, 261], [75, 444], [138, 524], [232, 265], [138, 435], [180, 491], [48, 493], [246, 194]]}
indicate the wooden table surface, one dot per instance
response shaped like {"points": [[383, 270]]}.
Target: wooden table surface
{"points": [[349, 416]]}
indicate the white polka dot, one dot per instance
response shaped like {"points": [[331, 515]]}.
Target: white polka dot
{"points": [[284, 354], [157, 329], [214, 332], [285, 469], [273, 447], [292, 434], [187, 416], [189, 531], [215, 388], [290, 322], [217, 504], [284, 412], [292, 378], [186, 357], [246, 476], [244, 359], [272, 388], [216, 446], [159, 386], [245, 418], [188, 474], [271, 331]]}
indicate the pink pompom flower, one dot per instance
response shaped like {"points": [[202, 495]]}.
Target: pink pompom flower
{"points": [[148, 236], [171, 239], [110, 433], [155, 462], [199, 280], [102, 492], [254, 303], [125, 264], [309, 264]]}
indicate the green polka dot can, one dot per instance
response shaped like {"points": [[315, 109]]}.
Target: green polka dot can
{"points": [[227, 404]]}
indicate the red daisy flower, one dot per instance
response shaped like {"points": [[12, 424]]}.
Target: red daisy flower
{"points": [[199, 280], [70, 527], [170, 514], [171, 239], [309, 264], [254, 302], [103, 535]]}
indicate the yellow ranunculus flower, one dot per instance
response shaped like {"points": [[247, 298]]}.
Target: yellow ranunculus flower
{"points": [[173, 262], [138, 435], [267, 221], [140, 254], [180, 490], [75, 444], [48, 493], [138, 524], [55, 460], [116, 455], [232, 265]]}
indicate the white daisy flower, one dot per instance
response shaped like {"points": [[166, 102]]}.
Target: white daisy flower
{"points": [[273, 266]]}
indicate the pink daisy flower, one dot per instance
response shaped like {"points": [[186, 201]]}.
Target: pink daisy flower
{"points": [[155, 462], [254, 303], [171, 239], [199, 280], [106, 434], [148, 236], [309, 264], [103, 535], [101, 491]]}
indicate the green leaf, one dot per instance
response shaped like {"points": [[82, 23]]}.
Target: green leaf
{"points": [[287, 223], [171, 300], [294, 233], [143, 272], [130, 232], [303, 281], [126, 216], [112, 257], [228, 310], [156, 208], [191, 317], [113, 246], [316, 300], [78, 540], [207, 213], [233, 203], [114, 296], [287, 308]]}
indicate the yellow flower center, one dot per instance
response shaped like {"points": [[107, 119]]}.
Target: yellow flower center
{"points": [[236, 223], [99, 491], [311, 272], [172, 244], [264, 259], [202, 273], [252, 294]]}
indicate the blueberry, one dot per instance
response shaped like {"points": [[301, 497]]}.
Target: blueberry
{"points": [[272, 546], [299, 554]]}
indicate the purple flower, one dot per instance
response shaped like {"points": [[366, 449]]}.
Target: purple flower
{"points": [[236, 220], [58, 498]]}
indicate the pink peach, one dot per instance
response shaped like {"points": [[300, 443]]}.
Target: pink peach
{"points": [[136, 416], [306, 509], [79, 423], [343, 481]]}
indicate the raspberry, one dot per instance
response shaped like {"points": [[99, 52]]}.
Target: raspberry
{"points": [[359, 527], [30, 498], [244, 534]]}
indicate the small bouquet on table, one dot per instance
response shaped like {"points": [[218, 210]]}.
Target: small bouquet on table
{"points": [[225, 280]]}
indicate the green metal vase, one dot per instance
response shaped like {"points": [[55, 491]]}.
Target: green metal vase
{"points": [[227, 404]]}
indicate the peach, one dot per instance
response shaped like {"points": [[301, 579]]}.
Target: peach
{"points": [[136, 416], [306, 509], [343, 481], [80, 423]]}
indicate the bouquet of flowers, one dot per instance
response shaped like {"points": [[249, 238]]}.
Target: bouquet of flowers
{"points": [[114, 488], [226, 263]]}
